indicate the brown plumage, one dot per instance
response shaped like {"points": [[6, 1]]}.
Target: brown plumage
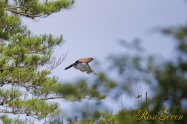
{"points": [[82, 65]]}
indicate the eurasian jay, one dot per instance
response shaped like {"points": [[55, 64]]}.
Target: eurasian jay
{"points": [[82, 65]]}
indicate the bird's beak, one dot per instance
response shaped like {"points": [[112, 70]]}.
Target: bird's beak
{"points": [[93, 58]]}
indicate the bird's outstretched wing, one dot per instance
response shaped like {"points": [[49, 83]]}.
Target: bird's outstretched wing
{"points": [[84, 67]]}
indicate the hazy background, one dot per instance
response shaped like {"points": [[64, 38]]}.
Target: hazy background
{"points": [[93, 28]]}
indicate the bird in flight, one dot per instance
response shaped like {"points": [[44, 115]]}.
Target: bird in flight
{"points": [[82, 65]]}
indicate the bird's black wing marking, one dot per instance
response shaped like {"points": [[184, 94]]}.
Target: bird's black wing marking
{"points": [[77, 66]]}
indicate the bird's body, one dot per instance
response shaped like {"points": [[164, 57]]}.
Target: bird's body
{"points": [[82, 65]]}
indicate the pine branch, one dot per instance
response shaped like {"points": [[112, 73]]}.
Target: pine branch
{"points": [[20, 113], [32, 16], [54, 97]]}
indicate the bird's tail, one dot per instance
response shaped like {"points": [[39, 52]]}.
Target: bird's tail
{"points": [[69, 66]]}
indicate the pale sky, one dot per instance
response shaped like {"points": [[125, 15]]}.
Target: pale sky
{"points": [[93, 27]]}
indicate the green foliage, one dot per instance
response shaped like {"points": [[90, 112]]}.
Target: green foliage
{"points": [[5, 119], [10, 25], [79, 91], [36, 8]]}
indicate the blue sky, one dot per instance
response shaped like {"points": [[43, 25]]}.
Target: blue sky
{"points": [[93, 28]]}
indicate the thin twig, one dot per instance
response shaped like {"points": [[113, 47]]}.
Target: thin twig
{"points": [[55, 63], [146, 98], [122, 100], [130, 83]]}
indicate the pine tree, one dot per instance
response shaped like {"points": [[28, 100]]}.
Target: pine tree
{"points": [[26, 61]]}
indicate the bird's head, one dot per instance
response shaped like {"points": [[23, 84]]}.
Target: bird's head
{"points": [[91, 58]]}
